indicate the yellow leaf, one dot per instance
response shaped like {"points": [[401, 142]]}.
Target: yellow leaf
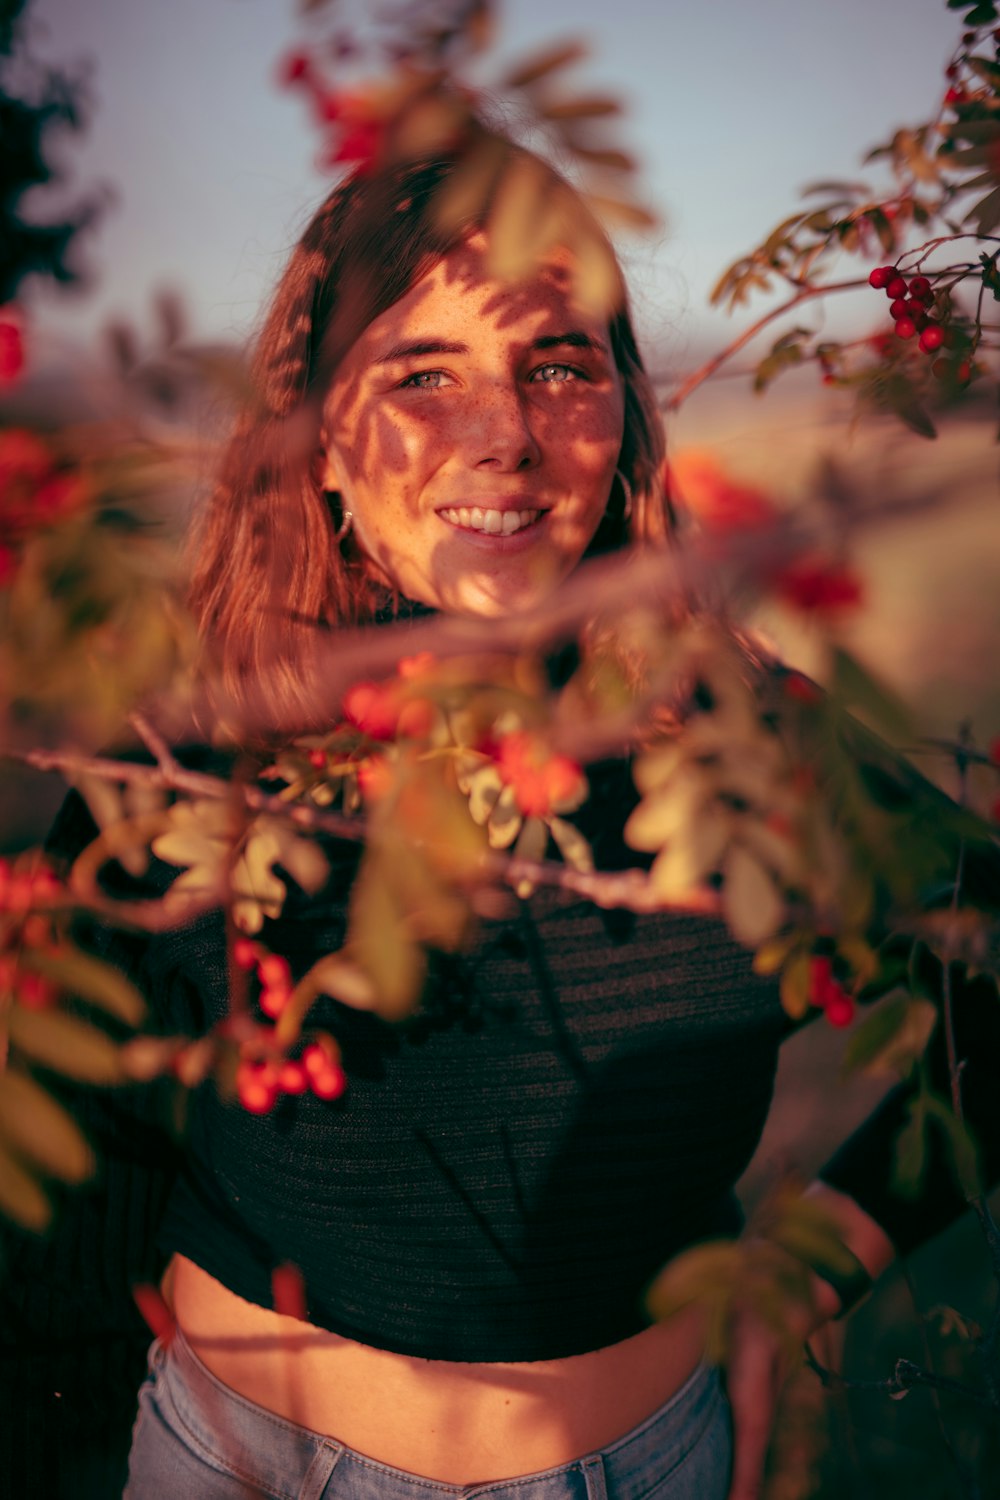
{"points": [[796, 985], [572, 845], [65, 1044], [751, 903], [89, 979], [668, 814], [40, 1129], [505, 820], [21, 1196], [336, 975]]}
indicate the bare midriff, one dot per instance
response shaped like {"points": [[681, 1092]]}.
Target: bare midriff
{"points": [[456, 1423]]}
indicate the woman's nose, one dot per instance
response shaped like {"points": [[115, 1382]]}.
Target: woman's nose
{"points": [[501, 437]]}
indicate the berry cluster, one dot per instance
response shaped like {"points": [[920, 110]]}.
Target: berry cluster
{"points": [[910, 302], [827, 994], [260, 1080], [543, 783], [25, 897]]}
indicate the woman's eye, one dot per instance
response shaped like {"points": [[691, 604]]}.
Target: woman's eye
{"points": [[555, 374], [423, 380]]}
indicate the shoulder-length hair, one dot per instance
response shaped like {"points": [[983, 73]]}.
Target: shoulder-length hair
{"points": [[267, 569]]}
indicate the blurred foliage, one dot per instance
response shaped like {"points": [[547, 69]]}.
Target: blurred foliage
{"points": [[780, 802]]}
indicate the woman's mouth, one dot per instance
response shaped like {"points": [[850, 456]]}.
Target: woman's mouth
{"points": [[489, 522]]}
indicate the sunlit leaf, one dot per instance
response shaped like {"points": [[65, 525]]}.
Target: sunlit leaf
{"points": [[336, 975], [36, 1127], [751, 902], [572, 845], [505, 820]]}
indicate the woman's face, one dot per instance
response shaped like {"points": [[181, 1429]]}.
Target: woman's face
{"points": [[473, 432]]}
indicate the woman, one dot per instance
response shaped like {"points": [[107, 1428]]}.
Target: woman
{"points": [[476, 1219], [479, 438]]}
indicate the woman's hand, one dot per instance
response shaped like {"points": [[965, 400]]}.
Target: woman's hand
{"points": [[759, 1363], [761, 1358]]}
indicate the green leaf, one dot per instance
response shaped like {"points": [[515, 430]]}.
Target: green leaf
{"points": [[910, 1154], [891, 1039], [89, 979], [707, 1273], [41, 1130], [66, 1045], [986, 213], [859, 689]]}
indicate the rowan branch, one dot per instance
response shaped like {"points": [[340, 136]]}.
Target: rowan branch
{"points": [[709, 368]]}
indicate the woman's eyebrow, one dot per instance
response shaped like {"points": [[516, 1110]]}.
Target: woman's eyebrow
{"points": [[420, 347], [575, 338]]}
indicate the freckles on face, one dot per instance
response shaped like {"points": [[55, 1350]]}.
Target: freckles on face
{"points": [[473, 433]]}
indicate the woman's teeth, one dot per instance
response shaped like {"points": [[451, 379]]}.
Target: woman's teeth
{"points": [[493, 522]]}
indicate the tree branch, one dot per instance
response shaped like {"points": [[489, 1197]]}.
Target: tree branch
{"points": [[807, 294]]}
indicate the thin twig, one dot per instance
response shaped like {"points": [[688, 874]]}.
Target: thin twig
{"points": [[630, 889], [906, 1376], [807, 294]]}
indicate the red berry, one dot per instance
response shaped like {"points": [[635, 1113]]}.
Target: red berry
{"points": [[915, 309], [274, 971], [932, 338], [317, 759], [941, 368], [920, 287], [244, 953], [328, 1084], [900, 308], [964, 372], [274, 999], [295, 67], [839, 1009], [906, 328], [292, 1078], [256, 1087], [897, 287], [881, 276]]}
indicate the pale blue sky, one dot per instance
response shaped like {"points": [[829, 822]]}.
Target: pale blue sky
{"points": [[732, 107]]}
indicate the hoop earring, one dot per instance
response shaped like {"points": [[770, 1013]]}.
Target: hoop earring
{"points": [[627, 492], [346, 517]]}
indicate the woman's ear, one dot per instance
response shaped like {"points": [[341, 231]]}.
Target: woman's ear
{"points": [[330, 471]]}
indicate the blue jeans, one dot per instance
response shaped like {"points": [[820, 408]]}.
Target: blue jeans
{"points": [[195, 1439]]}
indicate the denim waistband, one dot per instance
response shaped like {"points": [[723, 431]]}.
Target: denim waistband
{"points": [[235, 1435]]}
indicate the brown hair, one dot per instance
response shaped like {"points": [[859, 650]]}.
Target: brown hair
{"points": [[267, 568]]}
